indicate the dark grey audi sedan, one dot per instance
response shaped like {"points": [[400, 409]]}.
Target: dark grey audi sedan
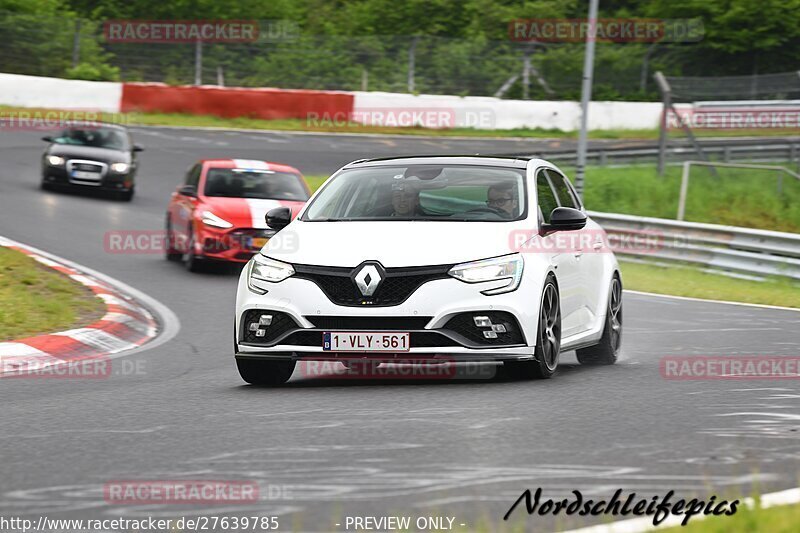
{"points": [[91, 157]]}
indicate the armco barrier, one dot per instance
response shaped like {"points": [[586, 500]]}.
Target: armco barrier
{"points": [[741, 250], [56, 93], [496, 113], [270, 103], [337, 106], [234, 102]]}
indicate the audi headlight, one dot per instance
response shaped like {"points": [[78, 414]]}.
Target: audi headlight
{"points": [[120, 167], [263, 271], [56, 160], [508, 267], [210, 219]]}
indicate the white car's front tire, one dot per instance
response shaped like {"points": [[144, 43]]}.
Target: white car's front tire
{"points": [[607, 350], [548, 338]]}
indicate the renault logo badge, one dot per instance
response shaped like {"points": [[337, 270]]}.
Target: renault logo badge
{"points": [[368, 278]]}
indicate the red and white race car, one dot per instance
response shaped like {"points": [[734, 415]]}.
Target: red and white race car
{"points": [[218, 213]]}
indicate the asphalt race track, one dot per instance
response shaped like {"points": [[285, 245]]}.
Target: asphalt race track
{"points": [[332, 448]]}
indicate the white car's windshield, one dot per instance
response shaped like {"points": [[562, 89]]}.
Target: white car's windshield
{"points": [[422, 192]]}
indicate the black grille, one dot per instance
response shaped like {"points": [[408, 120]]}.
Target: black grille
{"points": [[464, 326], [281, 323], [419, 339], [431, 339], [87, 167], [399, 285], [369, 323]]}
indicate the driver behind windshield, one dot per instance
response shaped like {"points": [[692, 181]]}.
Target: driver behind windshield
{"points": [[95, 137], [502, 199], [405, 200]]}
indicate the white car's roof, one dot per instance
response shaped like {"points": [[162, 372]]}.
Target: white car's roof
{"points": [[478, 160]]}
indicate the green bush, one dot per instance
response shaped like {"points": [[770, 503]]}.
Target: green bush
{"points": [[86, 71]]}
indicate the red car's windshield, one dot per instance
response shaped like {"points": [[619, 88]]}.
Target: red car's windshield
{"points": [[268, 184]]}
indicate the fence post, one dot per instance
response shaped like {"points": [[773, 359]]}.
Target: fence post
{"points": [[526, 76], [220, 76], [586, 96], [76, 44], [198, 62], [411, 53], [666, 96], [684, 190]]}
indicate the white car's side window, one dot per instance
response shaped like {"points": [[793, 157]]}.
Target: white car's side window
{"points": [[566, 196], [546, 196]]}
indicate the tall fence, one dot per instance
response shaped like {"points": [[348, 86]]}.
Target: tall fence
{"points": [[285, 57]]}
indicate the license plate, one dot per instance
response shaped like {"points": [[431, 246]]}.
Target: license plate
{"points": [[82, 174], [373, 341], [258, 242]]}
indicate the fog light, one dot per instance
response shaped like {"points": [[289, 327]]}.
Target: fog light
{"points": [[260, 333], [254, 326], [482, 321], [490, 334], [265, 320], [499, 328]]}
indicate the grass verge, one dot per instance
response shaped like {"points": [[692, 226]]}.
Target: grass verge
{"points": [[779, 519], [35, 299], [682, 280], [209, 121], [738, 197]]}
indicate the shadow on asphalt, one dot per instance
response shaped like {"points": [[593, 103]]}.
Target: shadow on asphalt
{"points": [[498, 377], [88, 192]]}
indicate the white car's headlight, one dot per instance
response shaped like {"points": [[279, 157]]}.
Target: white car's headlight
{"points": [[120, 167], [262, 271], [508, 267], [210, 219], [56, 160]]}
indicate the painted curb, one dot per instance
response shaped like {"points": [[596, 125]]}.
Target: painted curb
{"points": [[126, 325]]}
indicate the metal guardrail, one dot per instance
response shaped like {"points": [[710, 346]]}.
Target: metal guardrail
{"points": [[729, 248], [726, 150]]}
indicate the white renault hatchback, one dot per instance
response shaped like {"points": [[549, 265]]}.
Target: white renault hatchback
{"points": [[426, 258]]}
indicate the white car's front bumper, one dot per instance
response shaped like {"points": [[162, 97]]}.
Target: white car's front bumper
{"points": [[439, 299]]}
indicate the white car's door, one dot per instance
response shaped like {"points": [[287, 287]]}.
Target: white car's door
{"points": [[564, 259], [589, 250]]}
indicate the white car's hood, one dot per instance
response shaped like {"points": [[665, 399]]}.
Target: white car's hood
{"points": [[393, 244]]}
